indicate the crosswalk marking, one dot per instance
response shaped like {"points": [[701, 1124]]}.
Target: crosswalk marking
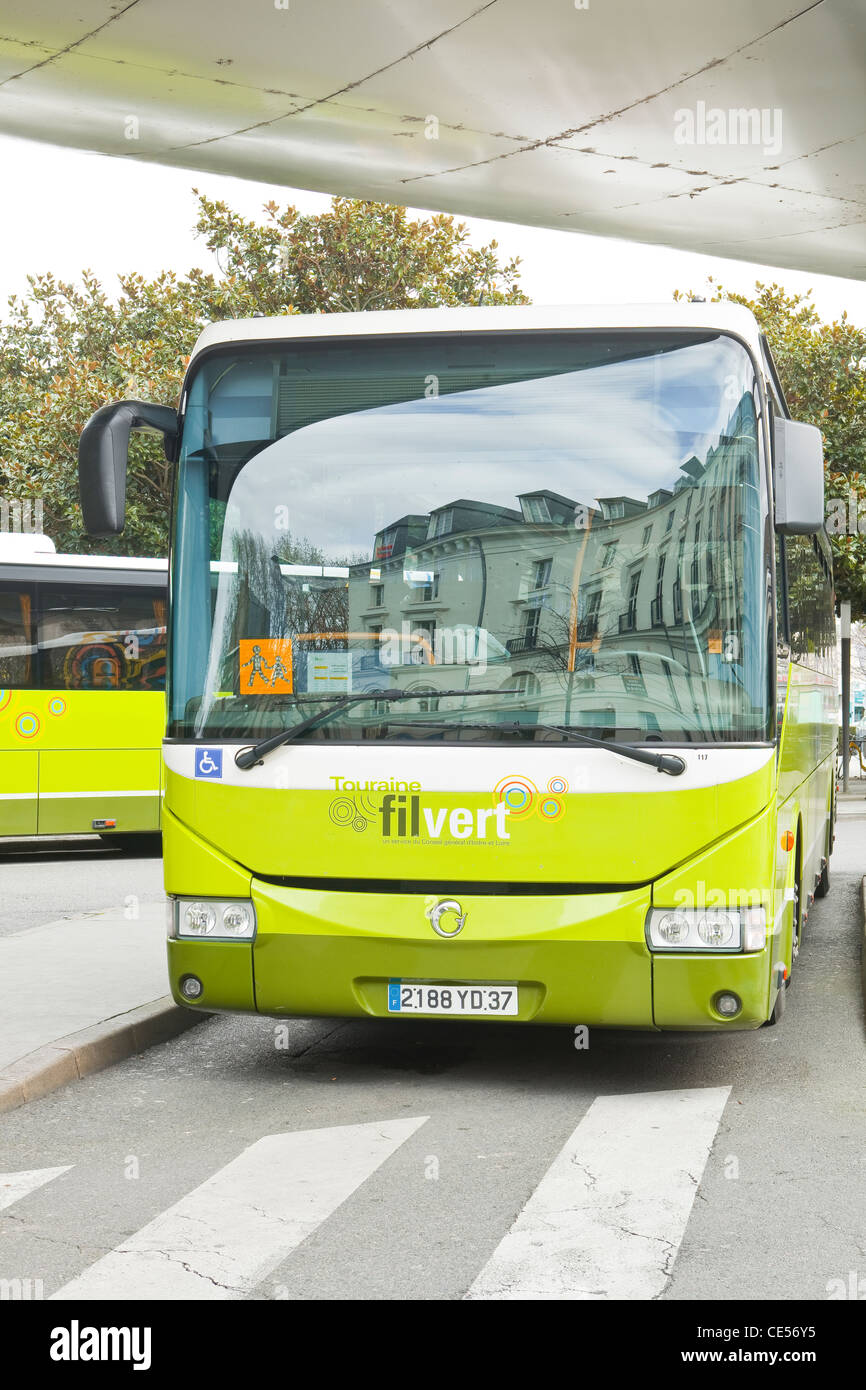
{"points": [[221, 1239], [14, 1186], [607, 1219]]}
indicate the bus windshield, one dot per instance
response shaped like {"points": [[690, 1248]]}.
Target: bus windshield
{"points": [[556, 529]]}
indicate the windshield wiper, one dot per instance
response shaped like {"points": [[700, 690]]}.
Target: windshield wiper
{"points": [[670, 763], [248, 757]]}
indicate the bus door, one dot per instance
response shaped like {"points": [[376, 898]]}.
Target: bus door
{"points": [[19, 760], [102, 650]]}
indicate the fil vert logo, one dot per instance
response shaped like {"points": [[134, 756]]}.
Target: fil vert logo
{"points": [[402, 810]]}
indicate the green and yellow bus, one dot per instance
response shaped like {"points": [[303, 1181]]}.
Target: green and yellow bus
{"points": [[82, 691], [501, 666]]}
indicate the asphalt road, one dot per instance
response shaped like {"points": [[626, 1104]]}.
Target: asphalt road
{"points": [[388, 1160], [45, 880]]}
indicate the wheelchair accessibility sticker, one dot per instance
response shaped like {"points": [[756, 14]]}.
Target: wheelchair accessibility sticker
{"points": [[209, 763]]}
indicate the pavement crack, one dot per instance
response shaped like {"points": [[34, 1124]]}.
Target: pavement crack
{"points": [[592, 1180], [196, 1273]]}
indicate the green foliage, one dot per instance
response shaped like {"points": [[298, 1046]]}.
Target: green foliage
{"points": [[66, 349], [822, 367]]}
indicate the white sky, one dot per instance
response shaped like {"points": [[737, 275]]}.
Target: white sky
{"points": [[64, 210]]}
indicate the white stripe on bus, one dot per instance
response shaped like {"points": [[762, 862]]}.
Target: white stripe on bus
{"points": [[64, 796], [327, 767]]}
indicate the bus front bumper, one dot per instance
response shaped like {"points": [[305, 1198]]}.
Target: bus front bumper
{"points": [[574, 959]]}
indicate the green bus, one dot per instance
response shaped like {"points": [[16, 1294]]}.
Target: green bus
{"points": [[82, 691], [501, 674]]}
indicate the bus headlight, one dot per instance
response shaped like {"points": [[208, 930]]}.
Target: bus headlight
{"points": [[238, 919], [216, 919], [707, 929], [197, 919], [716, 928], [673, 928]]}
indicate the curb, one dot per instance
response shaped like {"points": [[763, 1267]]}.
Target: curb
{"points": [[93, 1049]]}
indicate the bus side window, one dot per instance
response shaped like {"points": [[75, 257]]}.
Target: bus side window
{"points": [[17, 648], [102, 639], [810, 590]]}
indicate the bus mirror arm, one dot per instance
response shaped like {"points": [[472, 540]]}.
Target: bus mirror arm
{"points": [[102, 459]]}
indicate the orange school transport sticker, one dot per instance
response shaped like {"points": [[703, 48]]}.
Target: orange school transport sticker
{"points": [[265, 666]]}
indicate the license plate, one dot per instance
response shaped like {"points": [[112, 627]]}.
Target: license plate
{"points": [[418, 997]]}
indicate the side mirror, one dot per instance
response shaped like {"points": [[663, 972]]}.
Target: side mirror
{"points": [[102, 457], [799, 477]]}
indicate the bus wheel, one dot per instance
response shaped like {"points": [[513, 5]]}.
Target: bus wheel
{"points": [[822, 887], [779, 1006], [796, 933]]}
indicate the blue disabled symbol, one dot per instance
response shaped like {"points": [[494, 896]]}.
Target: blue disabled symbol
{"points": [[209, 763]]}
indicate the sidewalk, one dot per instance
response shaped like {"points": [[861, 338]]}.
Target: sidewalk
{"points": [[853, 801], [79, 994]]}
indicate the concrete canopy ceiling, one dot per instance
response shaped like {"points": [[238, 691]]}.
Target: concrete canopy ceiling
{"points": [[613, 117]]}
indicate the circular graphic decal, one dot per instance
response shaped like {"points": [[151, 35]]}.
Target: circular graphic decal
{"points": [[5, 697], [57, 707], [342, 811], [550, 808], [557, 785], [27, 725], [518, 794]]}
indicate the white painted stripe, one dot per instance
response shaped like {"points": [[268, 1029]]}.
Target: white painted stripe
{"points": [[14, 1186], [70, 796], [464, 769], [607, 1219], [225, 1236]]}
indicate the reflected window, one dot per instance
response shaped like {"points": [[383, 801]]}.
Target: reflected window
{"points": [[541, 574]]}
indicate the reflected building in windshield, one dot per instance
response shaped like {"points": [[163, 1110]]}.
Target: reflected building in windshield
{"points": [[620, 591]]}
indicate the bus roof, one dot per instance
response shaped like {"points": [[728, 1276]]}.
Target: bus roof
{"points": [[720, 316], [50, 560], [16, 544]]}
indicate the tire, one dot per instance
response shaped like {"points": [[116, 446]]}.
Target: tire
{"points": [[822, 888], [779, 1006], [797, 934]]}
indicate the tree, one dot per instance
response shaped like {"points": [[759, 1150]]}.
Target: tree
{"points": [[66, 349], [822, 367], [356, 257]]}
